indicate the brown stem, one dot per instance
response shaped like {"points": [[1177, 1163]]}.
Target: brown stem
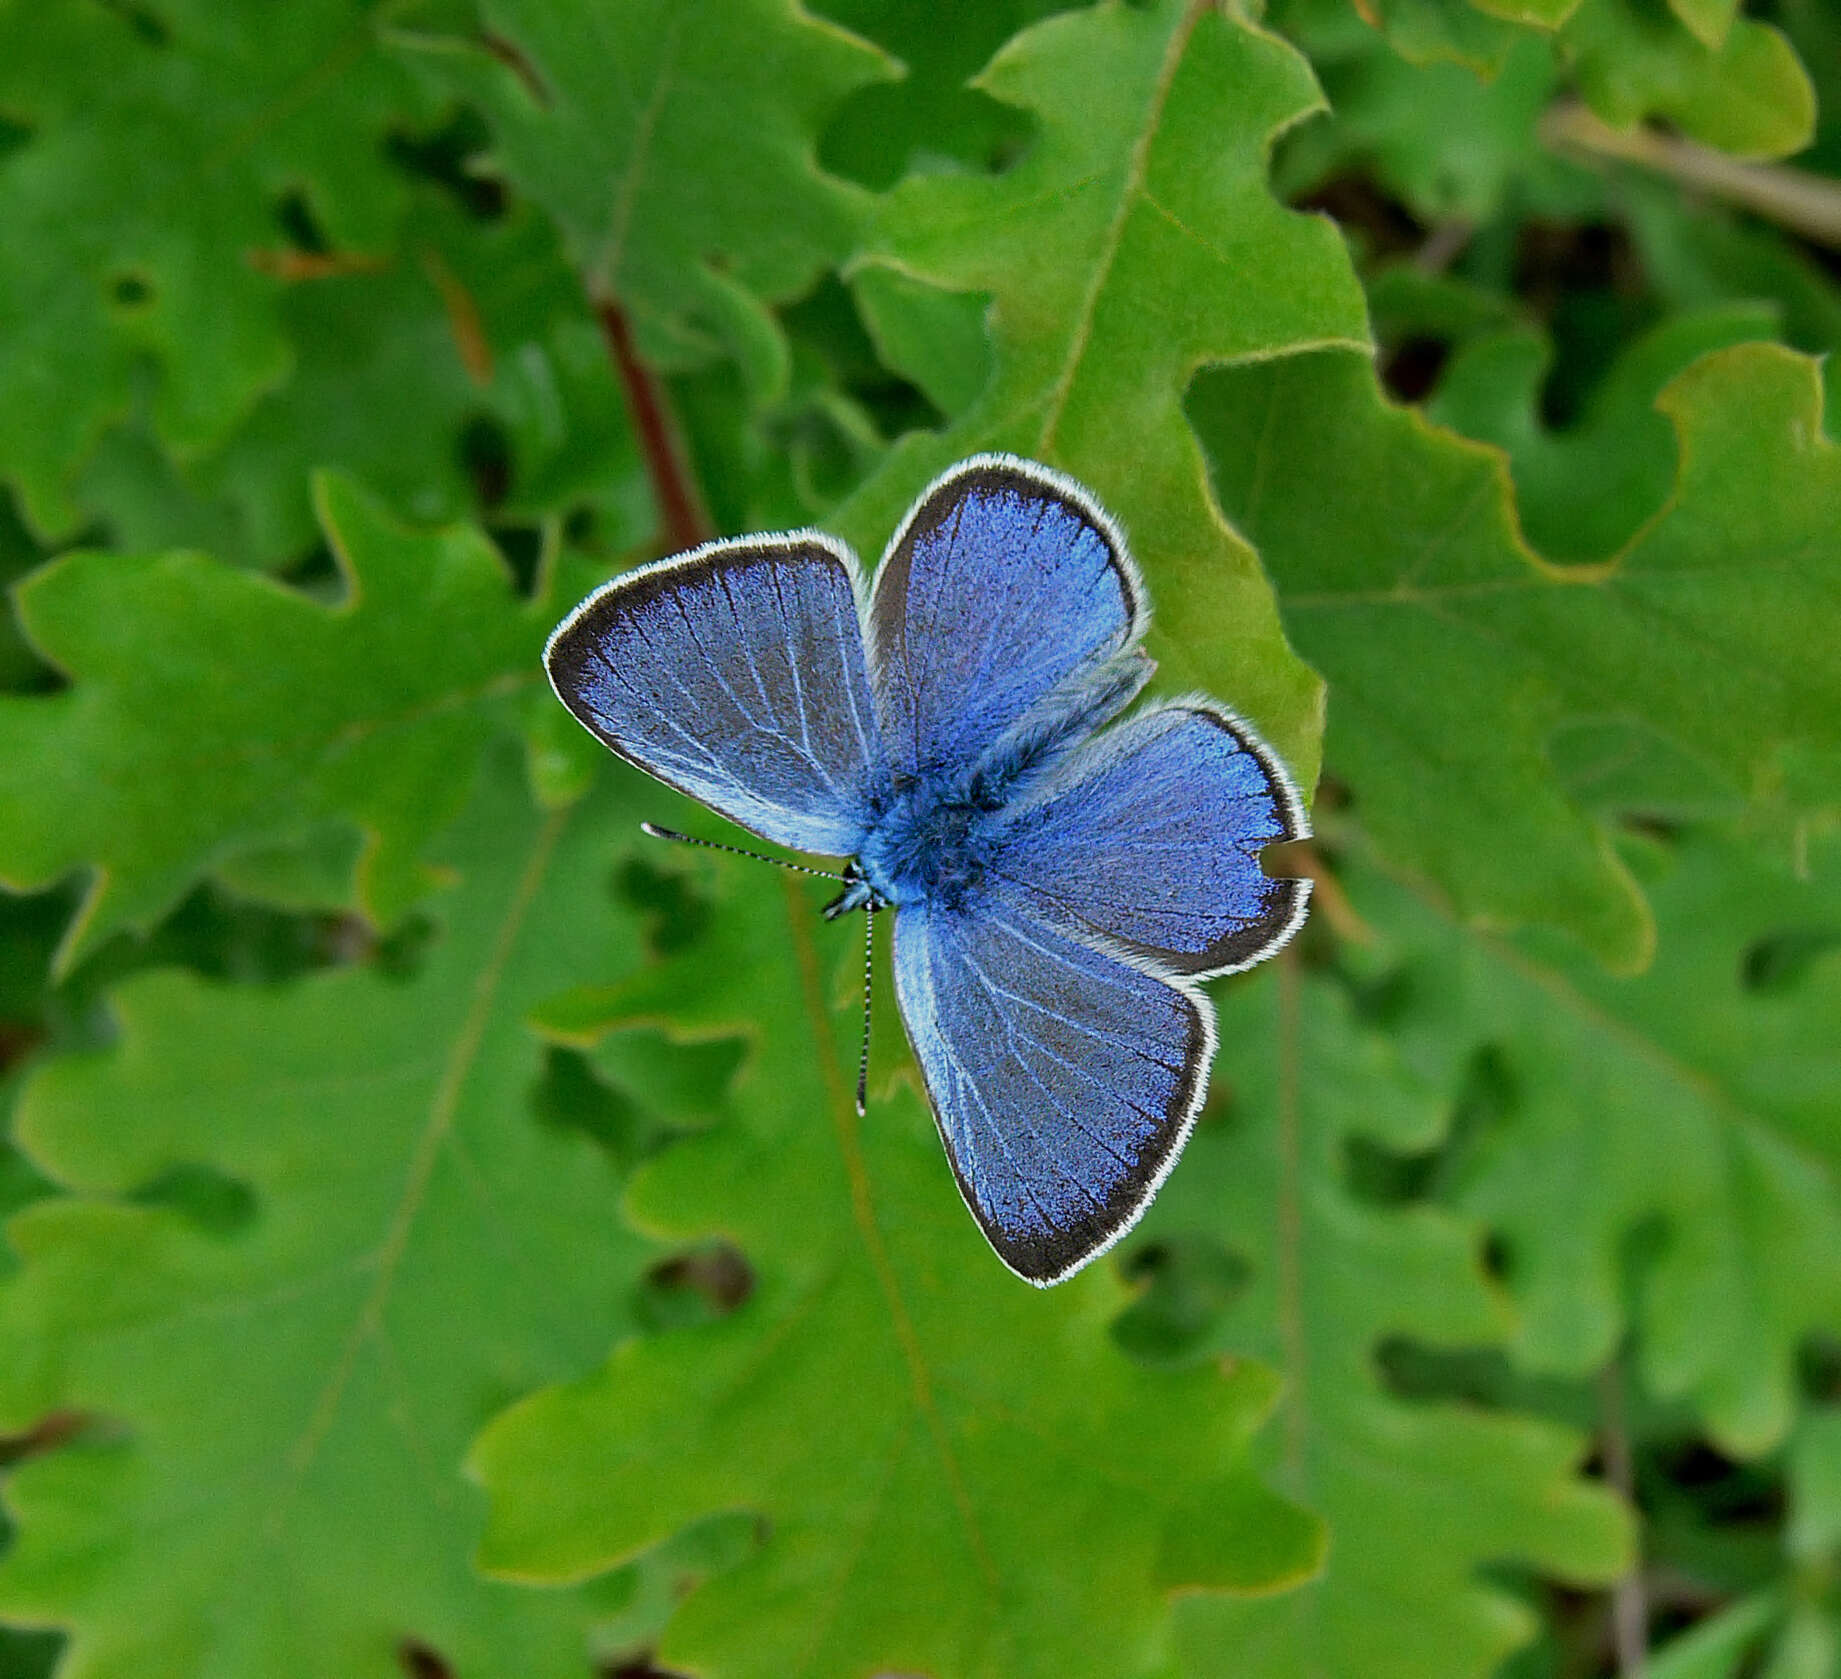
{"points": [[45, 1435], [1629, 1611], [1793, 198], [683, 521]]}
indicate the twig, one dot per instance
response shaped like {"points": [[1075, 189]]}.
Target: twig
{"points": [[1629, 1612], [683, 520], [1804, 203], [1444, 245]]}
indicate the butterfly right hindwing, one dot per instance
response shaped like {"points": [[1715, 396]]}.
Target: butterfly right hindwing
{"points": [[1063, 1079]]}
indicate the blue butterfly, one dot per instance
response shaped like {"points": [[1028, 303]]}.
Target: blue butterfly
{"points": [[1061, 885]]}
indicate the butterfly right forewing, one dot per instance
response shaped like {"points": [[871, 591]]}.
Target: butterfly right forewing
{"points": [[736, 673]]}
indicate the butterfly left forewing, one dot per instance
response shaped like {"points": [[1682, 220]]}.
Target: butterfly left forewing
{"points": [[1149, 839]]}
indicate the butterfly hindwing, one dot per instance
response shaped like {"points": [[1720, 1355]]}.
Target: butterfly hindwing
{"points": [[1004, 582], [1149, 837], [736, 673], [1063, 1079]]}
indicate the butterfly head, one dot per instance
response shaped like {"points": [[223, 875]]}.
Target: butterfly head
{"points": [[857, 894]]}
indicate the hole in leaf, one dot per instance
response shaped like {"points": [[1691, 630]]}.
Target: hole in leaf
{"points": [[315, 573], [521, 547], [15, 135], [1379, 1175], [207, 1199], [1778, 961], [224, 936], [450, 157], [569, 1096], [582, 527], [1481, 1376], [1389, 1177], [131, 291], [1410, 371], [1587, 281], [420, 1661], [694, 1287], [828, 322], [295, 217], [1188, 1282], [1818, 1368], [147, 25], [676, 913], [1380, 999], [640, 1667], [485, 457], [400, 953], [29, 1655], [1381, 225]]}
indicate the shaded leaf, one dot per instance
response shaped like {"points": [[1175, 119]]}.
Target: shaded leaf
{"points": [[213, 709], [1333, 1278], [1693, 1102], [159, 150], [1745, 92], [470, 335], [1585, 493], [612, 118]]}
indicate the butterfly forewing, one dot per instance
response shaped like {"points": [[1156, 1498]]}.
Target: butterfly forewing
{"points": [[736, 673]]}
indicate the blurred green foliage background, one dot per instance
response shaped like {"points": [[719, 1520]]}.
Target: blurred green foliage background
{"points": [[439, 1241]]}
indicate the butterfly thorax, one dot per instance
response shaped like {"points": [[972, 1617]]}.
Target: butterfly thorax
{"points": [[937, 831], [930, 843]]}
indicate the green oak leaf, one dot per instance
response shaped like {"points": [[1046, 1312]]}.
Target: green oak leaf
{"points": [[396, 366], [213, 710], [141, 208], [1694, 1102], [380, 1246], [1452, 32], [930, 118], [1585, 493], [1455, 653], [1447, 143], [1134, 242], [1727, 80], [953, 1469], [1332, 1277], [674, 145], [1745, 92]]}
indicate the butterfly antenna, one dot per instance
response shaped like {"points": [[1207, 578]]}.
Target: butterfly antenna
{"points": [[657, 832], [869, 968]]}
